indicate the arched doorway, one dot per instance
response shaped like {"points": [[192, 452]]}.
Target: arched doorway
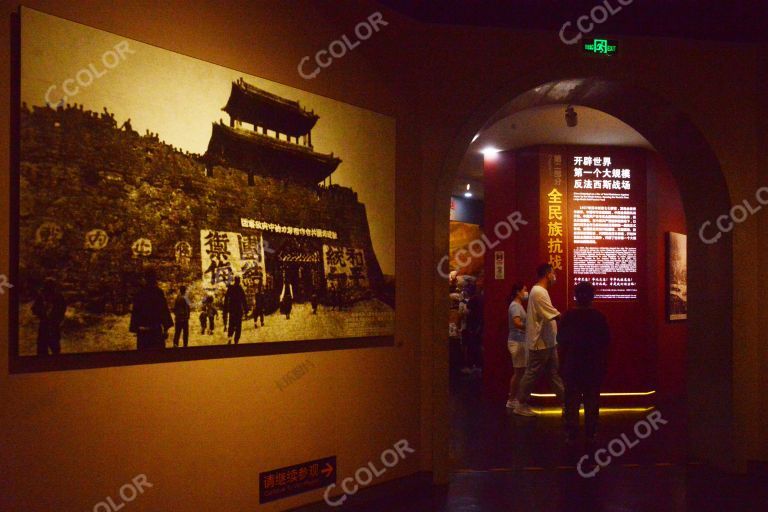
{"points": [[705, 196]]}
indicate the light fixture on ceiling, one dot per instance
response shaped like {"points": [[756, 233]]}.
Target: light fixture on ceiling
{"points": [[467, 193], [571, 117], [490, 150], [475, 137]]}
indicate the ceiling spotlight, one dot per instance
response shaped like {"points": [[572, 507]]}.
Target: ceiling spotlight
{"points": [[490, 150], [571, 117], [475, 137], [467, 193]]}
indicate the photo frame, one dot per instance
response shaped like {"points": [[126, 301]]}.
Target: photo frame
{"points": [[676, 291], [155, 193]]}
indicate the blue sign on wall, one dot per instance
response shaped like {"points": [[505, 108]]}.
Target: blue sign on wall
{"points": [[466, 210]]}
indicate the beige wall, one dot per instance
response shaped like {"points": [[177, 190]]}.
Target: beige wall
{"points": [[201, 431]]}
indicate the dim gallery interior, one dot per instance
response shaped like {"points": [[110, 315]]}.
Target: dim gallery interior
{"points": [[265, 256]]}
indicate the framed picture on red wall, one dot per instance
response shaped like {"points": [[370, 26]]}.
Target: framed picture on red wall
{"points": [[676, 281], [169, 209]]}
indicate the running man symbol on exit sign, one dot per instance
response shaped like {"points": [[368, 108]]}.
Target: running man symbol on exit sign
{"points": [[601, 47]]}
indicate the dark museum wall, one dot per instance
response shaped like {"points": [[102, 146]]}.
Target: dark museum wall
{"points": [[201, 431], [731, 122]]}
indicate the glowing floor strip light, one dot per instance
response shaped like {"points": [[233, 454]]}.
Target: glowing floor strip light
{"points": [[556, 411], [638, 393]]}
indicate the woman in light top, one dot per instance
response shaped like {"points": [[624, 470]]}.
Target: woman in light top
{"points": [[516, 340]]}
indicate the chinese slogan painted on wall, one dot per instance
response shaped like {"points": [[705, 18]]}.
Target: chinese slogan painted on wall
{"points": [[225, 254]]}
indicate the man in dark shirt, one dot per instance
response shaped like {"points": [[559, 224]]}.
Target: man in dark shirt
{"points": [[235, 306], [181, 311], [474, 331], [150, 317], [584, 340], [50, 307], [259, 307]]}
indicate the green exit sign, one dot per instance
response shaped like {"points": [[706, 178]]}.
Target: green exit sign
{"points": [[606, 47]]}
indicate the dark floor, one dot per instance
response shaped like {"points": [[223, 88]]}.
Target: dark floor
{"points": [[485, 436], [502, 462]]}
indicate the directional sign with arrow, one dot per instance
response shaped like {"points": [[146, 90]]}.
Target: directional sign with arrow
{"points": [[328, 469], [290, 480]]}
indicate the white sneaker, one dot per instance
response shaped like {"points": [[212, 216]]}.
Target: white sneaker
{"points": [[524, 410], [513, 403]]}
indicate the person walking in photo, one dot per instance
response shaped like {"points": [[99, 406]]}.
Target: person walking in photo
{"points": [[314, 301], [541, 340], [150, 316], [181, 320], [584, 338], [286, 300], [516, 340], [224, 311], [339, 293], [235, 308], [50, 307], [259, 306], [208, 315]]}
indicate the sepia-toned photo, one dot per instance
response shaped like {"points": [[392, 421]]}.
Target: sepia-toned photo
{"points": [[677, 281], [166, 202]]}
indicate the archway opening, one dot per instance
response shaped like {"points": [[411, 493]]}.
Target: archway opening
{"points": [[689, 162]]}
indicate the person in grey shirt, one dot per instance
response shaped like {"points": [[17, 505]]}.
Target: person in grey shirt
{"points": [[516, 340]]}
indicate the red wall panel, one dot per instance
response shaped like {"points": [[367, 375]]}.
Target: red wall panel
{"points": [[665, 212], [499, 170], [647, 351]]}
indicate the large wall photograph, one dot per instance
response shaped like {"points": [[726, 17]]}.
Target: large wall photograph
{"points": [[167, 203]]}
